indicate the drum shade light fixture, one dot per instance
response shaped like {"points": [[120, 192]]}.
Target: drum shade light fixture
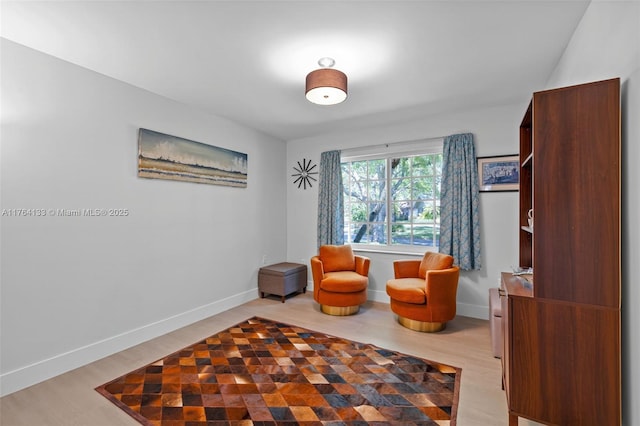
{"points": [[326, 86]]}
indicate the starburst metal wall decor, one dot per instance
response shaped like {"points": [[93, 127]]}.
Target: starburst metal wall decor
{"points": [[303, 174]]}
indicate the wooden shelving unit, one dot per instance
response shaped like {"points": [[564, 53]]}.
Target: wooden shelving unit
{"points": [[526, 188], [561, 360]]}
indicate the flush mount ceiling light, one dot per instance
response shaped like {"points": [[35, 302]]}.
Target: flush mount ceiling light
{"points": [[326, 86]]}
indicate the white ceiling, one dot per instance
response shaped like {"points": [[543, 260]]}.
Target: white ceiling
{"points": [[247, 60]]}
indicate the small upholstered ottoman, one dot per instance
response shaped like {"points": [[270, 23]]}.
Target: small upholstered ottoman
{"points": [[282, 279]]}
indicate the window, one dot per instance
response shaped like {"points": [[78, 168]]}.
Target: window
{"points": [[392, 201]]}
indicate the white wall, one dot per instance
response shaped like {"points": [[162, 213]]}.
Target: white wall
{"points": [[495, 132], [75, 289], [606, 45]]}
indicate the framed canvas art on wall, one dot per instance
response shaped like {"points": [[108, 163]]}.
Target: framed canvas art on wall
{"points": [[162, 156], [499, 173]]}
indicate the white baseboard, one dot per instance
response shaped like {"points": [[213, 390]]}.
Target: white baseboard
{"points": [[378, 296], [29, 375], [473, 311]]}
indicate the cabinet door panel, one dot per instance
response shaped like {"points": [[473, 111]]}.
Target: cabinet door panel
{"points": [[576, 198], [565, 365]]}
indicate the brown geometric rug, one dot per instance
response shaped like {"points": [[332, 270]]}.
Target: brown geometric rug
{"points": [[262, 372]]}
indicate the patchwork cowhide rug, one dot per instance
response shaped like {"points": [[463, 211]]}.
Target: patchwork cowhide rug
{"points": [[263, 372]]}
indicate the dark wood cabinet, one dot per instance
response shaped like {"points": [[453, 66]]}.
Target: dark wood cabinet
{"points": [[561, 360]]}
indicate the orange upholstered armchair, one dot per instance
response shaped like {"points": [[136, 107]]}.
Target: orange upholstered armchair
{"points": [[423, 293], [340, 279]]}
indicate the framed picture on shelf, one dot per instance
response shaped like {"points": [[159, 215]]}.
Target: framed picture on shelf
{"points": [[499, 173]]}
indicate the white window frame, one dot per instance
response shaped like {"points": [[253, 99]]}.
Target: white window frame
{"points": [[404, 149]]}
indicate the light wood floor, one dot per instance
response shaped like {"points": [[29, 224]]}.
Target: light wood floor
{"points": [[70, 399]]}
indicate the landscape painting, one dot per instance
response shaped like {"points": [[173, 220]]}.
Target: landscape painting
{"points": [[162, 156]]}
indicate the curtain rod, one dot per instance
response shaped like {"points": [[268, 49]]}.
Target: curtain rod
{"points": [[355, 150]]}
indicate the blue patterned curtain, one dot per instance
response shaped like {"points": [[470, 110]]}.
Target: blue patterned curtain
{"points": [[459, 202], [330, 200]]}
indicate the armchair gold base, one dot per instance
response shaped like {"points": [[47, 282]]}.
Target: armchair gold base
{"points": [[422, 326], [340, 310]]}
